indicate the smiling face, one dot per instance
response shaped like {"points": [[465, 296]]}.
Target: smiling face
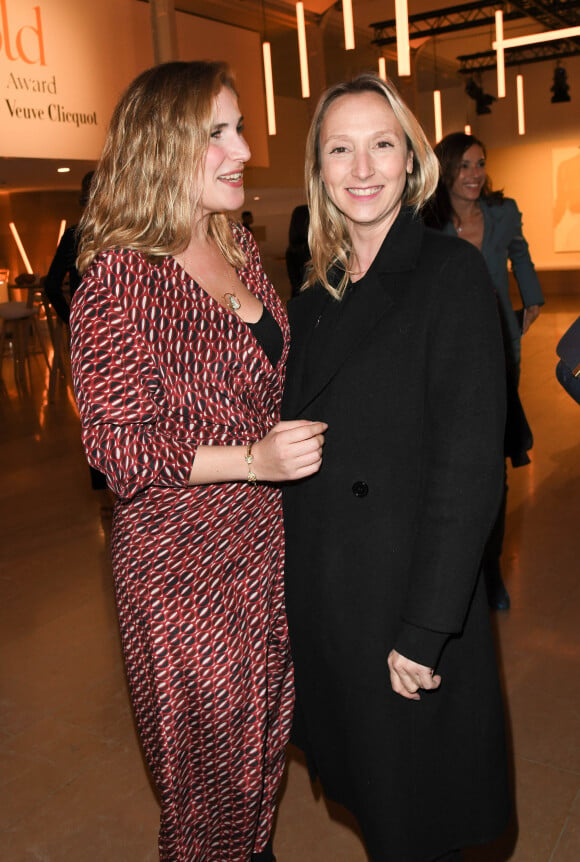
{"points": [[223, 170], [470, 177], [364, 159]]}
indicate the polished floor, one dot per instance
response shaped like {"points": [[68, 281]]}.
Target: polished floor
{"points": [[73, 787]]}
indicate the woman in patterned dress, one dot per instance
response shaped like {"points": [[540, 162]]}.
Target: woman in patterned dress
{"points": [[179, 349]]}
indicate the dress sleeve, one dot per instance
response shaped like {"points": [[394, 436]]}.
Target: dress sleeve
{"points": [[522, 265], [127, 431], [463, 456]]}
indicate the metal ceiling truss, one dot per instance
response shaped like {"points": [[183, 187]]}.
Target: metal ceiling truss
{"points": [[480, 13], [486, 60], [552, 14]]}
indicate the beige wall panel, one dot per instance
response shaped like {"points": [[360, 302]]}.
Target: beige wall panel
{"points": [[62, 66], [64, 63], [525, 172], [200, 39]]}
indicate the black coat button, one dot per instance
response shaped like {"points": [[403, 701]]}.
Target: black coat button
{"points": [[360, 489]]}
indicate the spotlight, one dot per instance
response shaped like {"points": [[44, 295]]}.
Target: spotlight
{"points": [[560, 87], [482, 100]]}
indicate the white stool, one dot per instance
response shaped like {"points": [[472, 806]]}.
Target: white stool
{"points": [[16, 321]]}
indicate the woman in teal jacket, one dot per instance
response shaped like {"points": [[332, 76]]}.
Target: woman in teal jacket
{"points": [[464, 205]]}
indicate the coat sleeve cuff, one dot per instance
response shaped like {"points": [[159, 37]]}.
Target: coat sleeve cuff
{"points": [[421, 645]]}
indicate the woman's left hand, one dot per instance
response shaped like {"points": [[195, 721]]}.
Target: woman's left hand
{"points": [[530, 314], [407, 677]]}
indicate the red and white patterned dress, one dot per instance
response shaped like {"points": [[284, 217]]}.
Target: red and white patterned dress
{"points": [[160, 368]]}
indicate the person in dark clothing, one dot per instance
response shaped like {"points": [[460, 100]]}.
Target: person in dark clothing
{"points": [[466, 206], [64, 262], [248, 220], [298, 252], [396, 345]]}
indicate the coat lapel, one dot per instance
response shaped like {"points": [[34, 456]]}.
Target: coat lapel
{"points": [[303, 313], [367, 308], [491, 225]]}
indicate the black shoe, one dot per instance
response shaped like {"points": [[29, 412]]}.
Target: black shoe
{"points": [[498, 597]]}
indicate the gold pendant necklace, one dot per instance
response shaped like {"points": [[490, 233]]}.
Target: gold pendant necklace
{"points": [[232, 302], [231, 299]]}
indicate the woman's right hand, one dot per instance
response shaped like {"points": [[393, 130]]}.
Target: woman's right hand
{"points": [[290, 450], [408, 677]]}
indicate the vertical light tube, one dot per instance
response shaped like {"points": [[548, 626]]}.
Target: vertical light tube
{"points": [[437, 111], [302, 51], [348, 24], [521, 112], [61, 230], [382, 69], [499, 52], [269, 81], [20, 247], [403, 50], [467, 129]]}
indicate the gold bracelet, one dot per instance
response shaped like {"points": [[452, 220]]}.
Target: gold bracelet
{"points": [[248, 458]]}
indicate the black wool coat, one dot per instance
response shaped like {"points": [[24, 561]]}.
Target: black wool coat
{"points": [[383, 545]]}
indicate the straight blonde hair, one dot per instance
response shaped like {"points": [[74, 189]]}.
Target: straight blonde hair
{"points": [[328, 236], [147, 184]]}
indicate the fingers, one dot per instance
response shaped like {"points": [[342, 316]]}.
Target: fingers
{"points": [[408, 677], [399, 687], [290, 450], [306, 455], [300, 443], [298, 430]]}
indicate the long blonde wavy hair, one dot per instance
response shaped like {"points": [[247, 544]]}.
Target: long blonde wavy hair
{"points": [[146, 189], [328, 236]]}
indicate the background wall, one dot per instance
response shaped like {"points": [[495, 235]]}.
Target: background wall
{"points": [[522, 166], [37, 216], [63, 65], [526, 174]]}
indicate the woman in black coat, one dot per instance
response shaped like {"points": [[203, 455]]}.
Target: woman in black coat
{"points": [[397, 346]]}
